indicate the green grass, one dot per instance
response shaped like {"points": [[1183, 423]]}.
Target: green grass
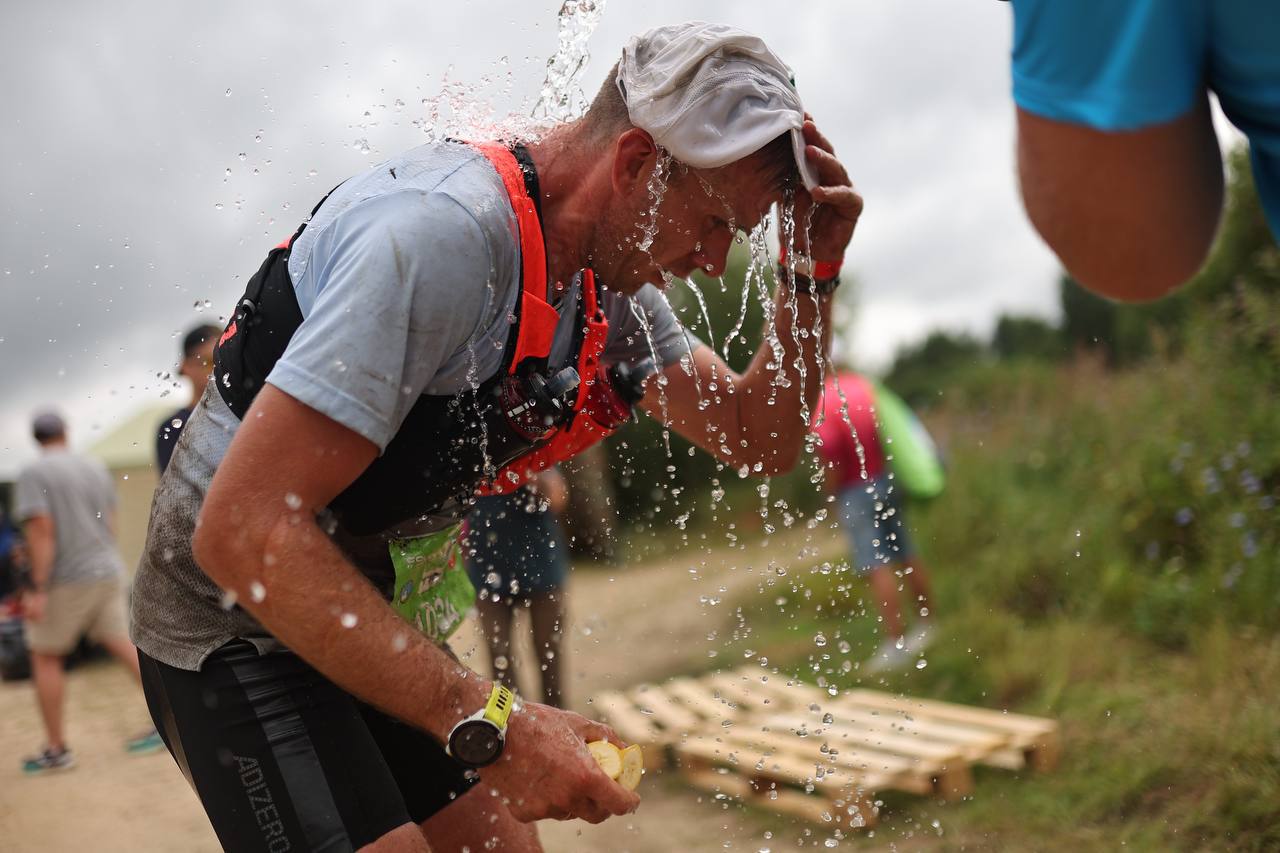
{"points": [[1161, 749], [1107, 554]]}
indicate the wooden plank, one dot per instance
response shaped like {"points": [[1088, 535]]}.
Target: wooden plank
{"points": [[929, 752], [981, 730], [665, 710], [738, 690], [1026, 727], [719, 782], [1011, 758], [862, 759], [866, 768], [762, 762], [972, 743], [924, 767], [857, 813], [784, 691], [627, 720], [698, 699]]}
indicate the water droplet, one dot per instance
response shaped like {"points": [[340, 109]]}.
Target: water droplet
{"points": [[922, 663]]}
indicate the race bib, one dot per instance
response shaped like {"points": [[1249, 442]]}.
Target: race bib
{"points": [[433, 592]]}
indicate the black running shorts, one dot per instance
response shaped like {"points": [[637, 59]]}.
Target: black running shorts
{"points": [[282, 759]]}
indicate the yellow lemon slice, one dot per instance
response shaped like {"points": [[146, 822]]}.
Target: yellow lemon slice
{"points": [[632, 767], [608, 756]]}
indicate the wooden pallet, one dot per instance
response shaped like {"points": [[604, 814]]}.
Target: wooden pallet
{"points": [[793, 747]]}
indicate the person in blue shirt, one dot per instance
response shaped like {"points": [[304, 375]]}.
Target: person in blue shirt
{"points": [[1119, 163]]}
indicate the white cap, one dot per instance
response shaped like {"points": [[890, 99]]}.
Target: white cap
{"points": [[711, 94]]}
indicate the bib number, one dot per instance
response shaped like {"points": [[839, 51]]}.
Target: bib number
{"points": [[433, 592]]}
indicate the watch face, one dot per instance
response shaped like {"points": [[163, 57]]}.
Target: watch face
{"points": [[476, 743]]}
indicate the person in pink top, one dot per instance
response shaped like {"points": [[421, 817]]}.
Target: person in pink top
{"points": [[860, 478]]}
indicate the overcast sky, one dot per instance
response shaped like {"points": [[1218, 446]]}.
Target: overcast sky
{"points": [[153, 152]]}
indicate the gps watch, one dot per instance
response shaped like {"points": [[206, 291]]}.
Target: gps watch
{"points": [[477, 741]]}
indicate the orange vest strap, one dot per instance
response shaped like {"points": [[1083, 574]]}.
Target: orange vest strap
{"points": [[593, 341], [537, 318]]}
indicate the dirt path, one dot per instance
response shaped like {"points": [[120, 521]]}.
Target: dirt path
{"points": [[627, 625]]}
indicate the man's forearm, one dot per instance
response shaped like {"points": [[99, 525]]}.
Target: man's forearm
{"points": [[40, 552], [316, 603], [753, 418], [787, 369]]}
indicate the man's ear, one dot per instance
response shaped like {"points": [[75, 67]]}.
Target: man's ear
{"points": [[635, 155]]}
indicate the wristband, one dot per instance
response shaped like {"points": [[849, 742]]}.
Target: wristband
{"points": [[498, 709], [808, 284], [478, 740], [821, 270]]}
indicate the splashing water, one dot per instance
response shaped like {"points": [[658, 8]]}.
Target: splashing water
{"points": [[561, 99], [736, 331], [702, 304], [787, 228], [756, 275], [657, 189], [660, 379]]}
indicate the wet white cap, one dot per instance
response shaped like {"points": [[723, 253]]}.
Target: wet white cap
{"points": [[711, 94]]}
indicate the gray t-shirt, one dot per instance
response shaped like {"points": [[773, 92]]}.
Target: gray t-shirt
{"points": [[77, 493], [407, 277]]}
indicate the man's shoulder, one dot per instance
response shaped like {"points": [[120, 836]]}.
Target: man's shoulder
{"points": [[31, 472], [460, 186], [448, 170], [54, 470], [418, 198]]}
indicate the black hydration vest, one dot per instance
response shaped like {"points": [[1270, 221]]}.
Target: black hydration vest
{"points": [[448, 445]]}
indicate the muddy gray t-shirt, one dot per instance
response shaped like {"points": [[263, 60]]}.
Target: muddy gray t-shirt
{"points": [[77, 493], [406, 277]]}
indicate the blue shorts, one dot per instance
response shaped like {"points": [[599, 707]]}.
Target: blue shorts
{"points": [[512, 552], [872, 519], [1119, 65]]}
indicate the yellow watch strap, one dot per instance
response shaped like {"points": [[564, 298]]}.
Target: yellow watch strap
{"points": [[498, 709]]}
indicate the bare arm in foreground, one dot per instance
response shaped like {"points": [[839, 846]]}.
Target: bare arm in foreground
{"points": [[1131, 215], [258, 526]]}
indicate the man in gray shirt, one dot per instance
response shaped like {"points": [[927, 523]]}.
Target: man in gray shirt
{"points": [[64, 502], [308, 705]]}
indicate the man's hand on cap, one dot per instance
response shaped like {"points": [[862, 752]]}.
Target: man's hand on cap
{"points": [[835, 205]]}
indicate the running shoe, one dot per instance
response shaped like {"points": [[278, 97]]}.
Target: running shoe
{"points": [[919, 636], [891, 655], [48, 761], [144, 743]]}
